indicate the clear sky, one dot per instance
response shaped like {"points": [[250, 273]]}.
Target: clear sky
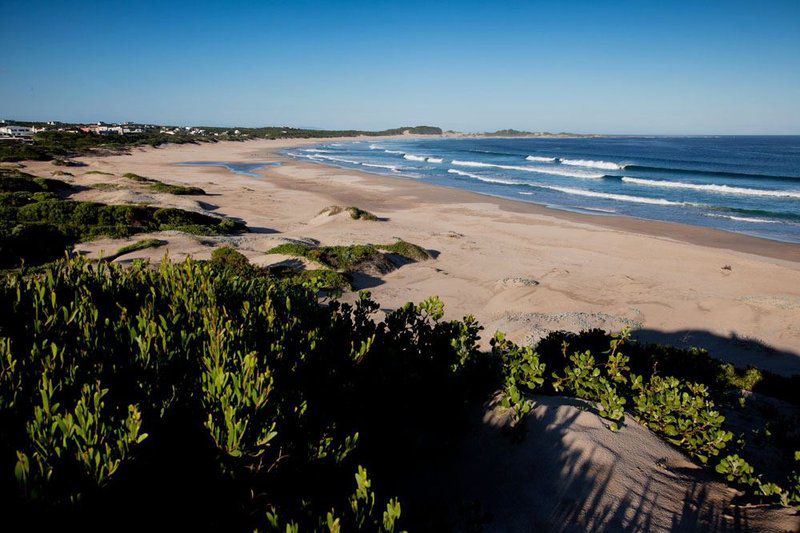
{"points": [[584, 66]]}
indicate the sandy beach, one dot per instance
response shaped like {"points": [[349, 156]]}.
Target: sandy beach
{"points": [[518, 267], [526, 270]]}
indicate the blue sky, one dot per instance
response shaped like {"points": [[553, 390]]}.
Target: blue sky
{"points": [[611, 67]]}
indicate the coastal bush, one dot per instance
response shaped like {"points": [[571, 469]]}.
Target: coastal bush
{"points": [[523, 374], [354, 212], [37, 226], [113, 377], [407, 250], [353, 257], [144, 244], [683, 413], [690, 364], [159, 186], [599, 384]]}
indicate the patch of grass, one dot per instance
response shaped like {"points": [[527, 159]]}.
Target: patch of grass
{"points": [[144, 244], [356, 213], [355, 257], [407, 250], [62, 173], [176, 189], [99, 172], [105, 186], [159, 186], [345, 258], [137, 177]]}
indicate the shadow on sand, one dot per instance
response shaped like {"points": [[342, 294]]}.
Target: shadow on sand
{"points": [[740, 351], [569, 473]]}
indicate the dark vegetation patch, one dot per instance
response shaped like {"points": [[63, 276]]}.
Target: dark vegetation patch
{"points": [[37, 224], [207, 395], [230, 260], [100, 172], [143, 244], [201, 388], [354, 257]]}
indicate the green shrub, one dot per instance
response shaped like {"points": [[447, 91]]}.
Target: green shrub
{"points": [[599, 384], [228, 258], [407, 250], [354, 212], [140, 245], [683, 413], [158, 186], [176, 189], [523, 374], [353, 257], [111, 377], [137, 177], [100, 172], [38, 226]]}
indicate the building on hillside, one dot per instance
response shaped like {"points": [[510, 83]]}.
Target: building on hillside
{"points": [[16, 131]]}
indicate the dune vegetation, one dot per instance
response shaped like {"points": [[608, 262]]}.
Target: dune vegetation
{"points": [[223, 395], [38, 223], [168, 387]]}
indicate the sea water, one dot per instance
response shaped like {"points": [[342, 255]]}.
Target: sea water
{"points": [[745, 184]]}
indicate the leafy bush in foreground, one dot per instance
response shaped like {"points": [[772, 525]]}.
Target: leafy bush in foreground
{"points": [[238, 401], [112, 378]]}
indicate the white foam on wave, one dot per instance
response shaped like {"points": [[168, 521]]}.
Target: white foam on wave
{"points": [[744, 219], [412, 157], [393, 168], [720, 189], [541, 159], [317, 150], [337, 159], [610, 196], [605, 165], [398, 152], [539, 170], [375, 147], [485, 178], [434, 160]]}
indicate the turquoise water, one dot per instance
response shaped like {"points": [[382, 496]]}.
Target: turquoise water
{"points": [[246, 169], [747, 184]]}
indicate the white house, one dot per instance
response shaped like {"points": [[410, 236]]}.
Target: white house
{"points": [[16, 131]]}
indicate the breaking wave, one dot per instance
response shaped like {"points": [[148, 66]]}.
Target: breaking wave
{"points": [[539, 170], [605, 165], [720, 189]]}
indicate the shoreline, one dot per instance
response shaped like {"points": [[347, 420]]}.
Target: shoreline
{"points": [[688, 233], [519, 267]]}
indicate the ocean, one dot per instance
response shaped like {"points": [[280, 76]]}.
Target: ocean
{"points": [[744, 184]]}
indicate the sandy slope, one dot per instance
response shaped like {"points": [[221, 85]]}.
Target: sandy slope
{"points": [[527, 270], [571, 473]]}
